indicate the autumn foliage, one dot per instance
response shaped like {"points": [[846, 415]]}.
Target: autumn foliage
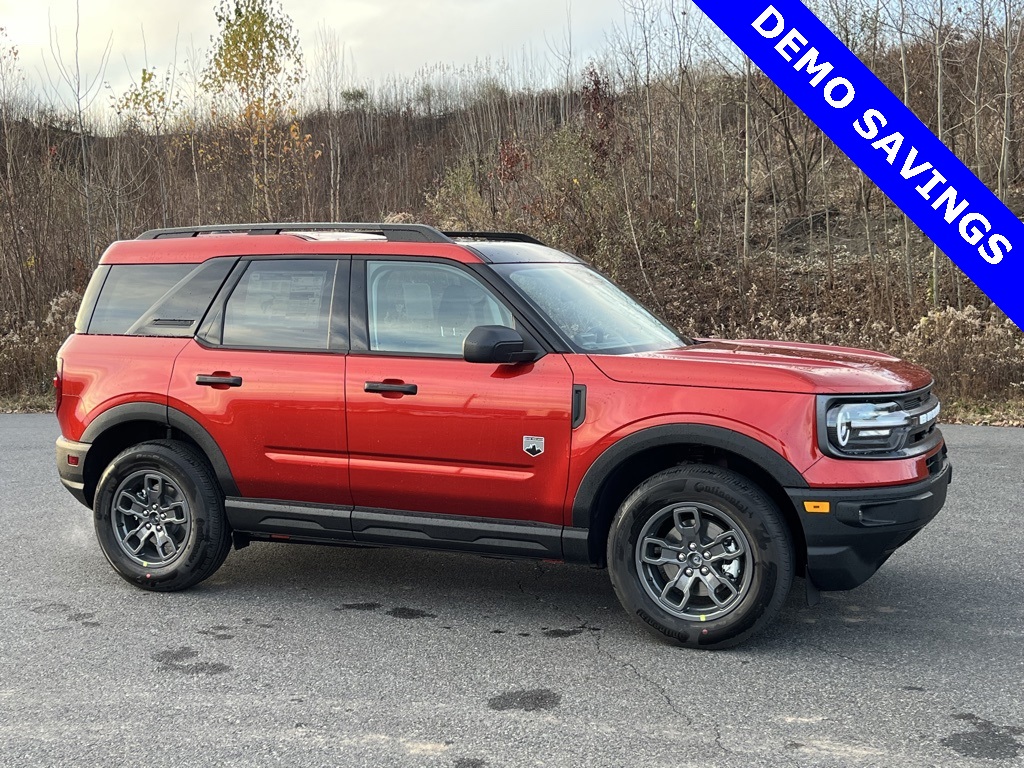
{"points": [[666, 162]]}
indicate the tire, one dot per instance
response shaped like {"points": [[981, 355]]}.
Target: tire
{"points": [[658, 556], [159, 516]]}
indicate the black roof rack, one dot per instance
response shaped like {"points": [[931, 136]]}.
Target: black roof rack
{"points": [[514, 237], [400, 233]]}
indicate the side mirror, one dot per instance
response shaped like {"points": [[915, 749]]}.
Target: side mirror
{"points": [[496, 344]]}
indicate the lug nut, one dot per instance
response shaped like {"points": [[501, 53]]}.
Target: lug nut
{"points": [[707, 555], [693, 546], [688, 571], [704, 571], [681, 557]]}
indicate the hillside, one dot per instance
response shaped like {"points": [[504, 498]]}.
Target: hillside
{"points": [[669, 165]]}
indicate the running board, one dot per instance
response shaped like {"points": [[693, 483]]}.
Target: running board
{"points": [[285, 521]]}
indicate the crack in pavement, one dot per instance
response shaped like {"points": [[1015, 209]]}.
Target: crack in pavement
{"points": [[621, 663], [718, 740], [642, 678]]}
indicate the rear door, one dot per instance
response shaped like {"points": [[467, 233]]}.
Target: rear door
{"points": [[429, 432], [265, 377]]}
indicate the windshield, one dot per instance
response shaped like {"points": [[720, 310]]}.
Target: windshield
{"points": [[592, 313]]}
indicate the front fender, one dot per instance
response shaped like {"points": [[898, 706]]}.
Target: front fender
{"points": [[644, 439]]}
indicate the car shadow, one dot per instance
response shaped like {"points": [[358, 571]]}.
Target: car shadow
{"points": [[895, 607]]}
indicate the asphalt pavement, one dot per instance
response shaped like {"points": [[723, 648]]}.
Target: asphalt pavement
{"points": [[320, 656]]}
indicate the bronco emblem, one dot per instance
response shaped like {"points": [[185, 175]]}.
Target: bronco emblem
{"points": [[533, 445]]}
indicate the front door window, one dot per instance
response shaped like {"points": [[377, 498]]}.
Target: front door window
{"points": [[426, 308]]}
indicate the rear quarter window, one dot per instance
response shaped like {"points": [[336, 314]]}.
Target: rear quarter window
{"points": [[156, 299]]}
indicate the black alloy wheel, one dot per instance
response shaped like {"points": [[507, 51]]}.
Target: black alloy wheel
{"points": [[700, 556], [159, 516]]}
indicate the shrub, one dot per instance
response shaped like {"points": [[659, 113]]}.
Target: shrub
{"points": [[28, 349]]}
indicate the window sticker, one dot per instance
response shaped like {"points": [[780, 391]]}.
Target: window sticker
{"points": [[286, 296]]}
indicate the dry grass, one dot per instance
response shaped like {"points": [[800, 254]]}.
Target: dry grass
{"points": [[1003, 413], [976, 357], [28, 351], [26, 403]]}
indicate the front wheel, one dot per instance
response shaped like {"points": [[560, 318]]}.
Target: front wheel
{"points": [[701, 556], [159, 516]]}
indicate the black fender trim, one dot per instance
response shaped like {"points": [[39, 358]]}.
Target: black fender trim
{"points": [[171, 417], [121, 414], [207, 445], [576, 545], [677, 434]]}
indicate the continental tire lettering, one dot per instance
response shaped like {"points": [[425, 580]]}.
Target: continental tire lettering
{"points": [[700, 487], [680, 636]]}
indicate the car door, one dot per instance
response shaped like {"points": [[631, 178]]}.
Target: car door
{"points": [[265, 377], [430, 432]]}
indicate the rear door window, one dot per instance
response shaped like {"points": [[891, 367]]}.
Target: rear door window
{"points": [[282, 304]]}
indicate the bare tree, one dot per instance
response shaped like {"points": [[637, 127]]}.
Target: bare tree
{"points": [[330, 80], [11, 84], [1011, 37], [748, 166], [84, 90]]}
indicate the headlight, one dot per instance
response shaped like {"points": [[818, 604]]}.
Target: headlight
{"points": [[865, 428], [889, 426]]}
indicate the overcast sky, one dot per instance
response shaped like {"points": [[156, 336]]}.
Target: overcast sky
{"points": [[381, 37]]}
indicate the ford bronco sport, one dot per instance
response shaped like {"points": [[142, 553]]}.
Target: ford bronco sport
{"points": [[389, 384]]}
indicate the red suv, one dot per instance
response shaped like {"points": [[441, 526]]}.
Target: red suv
{"points": [[389, 384]]}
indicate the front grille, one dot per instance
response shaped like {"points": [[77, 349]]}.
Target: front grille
{"points": [[917, 404], [914, 400]]}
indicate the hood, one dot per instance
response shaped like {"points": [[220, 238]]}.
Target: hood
{"points": [[775, 366]]}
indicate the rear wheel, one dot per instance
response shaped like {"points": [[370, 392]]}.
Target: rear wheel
{"points": [[159, 516], [701, 556]]}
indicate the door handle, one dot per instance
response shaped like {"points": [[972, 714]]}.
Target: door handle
{"points": [[386, 386], [219, 380]]}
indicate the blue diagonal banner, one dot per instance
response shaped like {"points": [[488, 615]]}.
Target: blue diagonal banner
{"points": [[885, 139]]}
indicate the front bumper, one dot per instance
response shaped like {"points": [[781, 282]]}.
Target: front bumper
{"points": [[865, 525], [72, 475]]}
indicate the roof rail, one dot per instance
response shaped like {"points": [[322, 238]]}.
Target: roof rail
{"points": [[514, 237], [401, 233]]}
